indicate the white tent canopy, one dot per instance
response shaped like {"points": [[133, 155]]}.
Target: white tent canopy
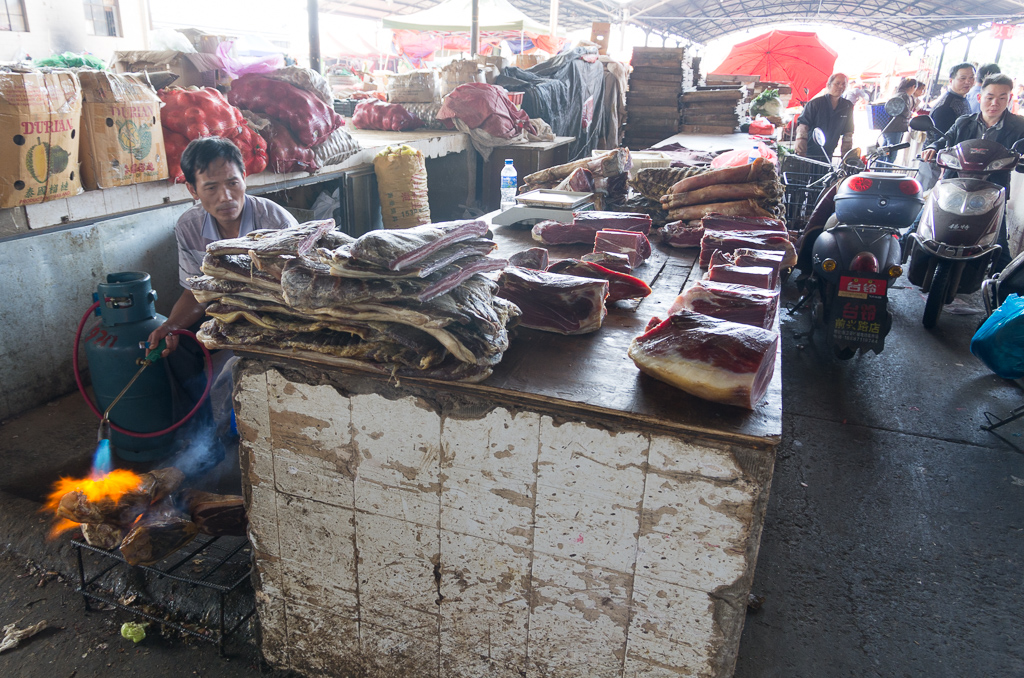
{"points": [[455, 16]]}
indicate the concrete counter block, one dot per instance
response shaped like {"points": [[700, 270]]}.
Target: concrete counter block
{"points": [[412, 530]]}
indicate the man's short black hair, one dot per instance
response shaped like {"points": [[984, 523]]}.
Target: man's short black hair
{"points": [[201, 152], [985, 71], [956, 69], [998, 79]]}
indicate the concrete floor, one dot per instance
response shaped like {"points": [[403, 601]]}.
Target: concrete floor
{"points": [[894, 536]]}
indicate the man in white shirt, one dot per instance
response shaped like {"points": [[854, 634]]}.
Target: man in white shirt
{"points": [[215, 176]]}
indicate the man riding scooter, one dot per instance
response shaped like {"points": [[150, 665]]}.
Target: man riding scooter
{"points": [[995, 123]]}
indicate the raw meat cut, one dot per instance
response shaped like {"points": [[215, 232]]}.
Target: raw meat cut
{"points": [[553, 302], [770, 258], [343, 264], [161, 531], [712, 359], [585, 225], [636, 246], [219, 515], [315, 285], [755, 276], [745, 208], [730, 241], [299, 239], [725, 301], [239, 268], [213, 334], [322, 338], [621, 285], [720, 258], [399, 249], [535, 258], [755, 171], [613, 261], [206, 288], [613, 221], [717, 193], [719, 222], [581, 180], [616, 161], [477, 343], [683, 233]]}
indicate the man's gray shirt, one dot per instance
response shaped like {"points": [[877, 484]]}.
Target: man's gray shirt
{"points": [[196, 229]]}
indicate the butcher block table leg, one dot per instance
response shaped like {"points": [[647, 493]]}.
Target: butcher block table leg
{"points": [[415, 530]]}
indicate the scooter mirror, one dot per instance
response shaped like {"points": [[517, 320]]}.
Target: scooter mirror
{"points": [[895, 107], [922, 123], [819, 136]]}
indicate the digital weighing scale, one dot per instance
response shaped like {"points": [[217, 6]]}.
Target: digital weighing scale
{"points": [[545, 204]]}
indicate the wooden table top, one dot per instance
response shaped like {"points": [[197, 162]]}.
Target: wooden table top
{"points": [[593, 373], [591, 376]]}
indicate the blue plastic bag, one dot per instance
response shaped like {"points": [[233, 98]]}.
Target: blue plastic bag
{"points": [[999, 342]]}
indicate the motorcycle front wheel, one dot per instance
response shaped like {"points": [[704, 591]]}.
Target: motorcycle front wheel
{"points": [[937, 294]]}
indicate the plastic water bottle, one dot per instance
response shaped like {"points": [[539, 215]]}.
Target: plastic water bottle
{"points": [[755, 153], [509, 181]]}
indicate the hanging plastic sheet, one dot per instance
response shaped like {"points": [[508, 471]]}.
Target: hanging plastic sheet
{"points": [[568, 92]]}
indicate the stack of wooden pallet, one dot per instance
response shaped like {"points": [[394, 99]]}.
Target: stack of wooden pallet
{"points": [[712, 110], [652, 103]]}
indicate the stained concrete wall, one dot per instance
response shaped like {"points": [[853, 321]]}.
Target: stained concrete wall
{"points": [[48, 281]]}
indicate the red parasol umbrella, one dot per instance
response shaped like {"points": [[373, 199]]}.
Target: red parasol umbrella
{"points": [[796, 58]]}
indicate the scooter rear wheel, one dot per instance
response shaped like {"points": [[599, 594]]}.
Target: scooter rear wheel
{"points": [[843, 353], [937, 294]]}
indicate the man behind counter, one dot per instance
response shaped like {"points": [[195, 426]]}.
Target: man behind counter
{"points": [[215, 176], [833, 115]]}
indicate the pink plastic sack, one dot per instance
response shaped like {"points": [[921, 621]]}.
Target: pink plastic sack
{"points": [[741, 156], [236, 68], [309, 119]]}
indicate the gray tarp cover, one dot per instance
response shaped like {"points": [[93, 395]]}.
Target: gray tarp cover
{"points": [[559, 90]]}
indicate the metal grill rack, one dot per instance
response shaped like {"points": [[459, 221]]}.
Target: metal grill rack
{"points": [[230, 566]]}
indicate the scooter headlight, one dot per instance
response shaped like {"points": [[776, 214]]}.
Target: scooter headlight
{"points": [[949, 159], [953, 198], [1000, 164]]}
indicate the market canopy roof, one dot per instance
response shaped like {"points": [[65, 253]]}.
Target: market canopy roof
{"points": [[704, 20], [454, 15]]}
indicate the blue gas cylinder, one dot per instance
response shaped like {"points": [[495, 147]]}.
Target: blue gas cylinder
{"points": [[112, 348]]}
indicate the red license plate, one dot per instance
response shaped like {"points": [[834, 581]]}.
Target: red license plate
{"points": [[861, 287]]}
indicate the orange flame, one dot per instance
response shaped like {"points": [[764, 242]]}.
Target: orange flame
{"points": [[112, 486]]}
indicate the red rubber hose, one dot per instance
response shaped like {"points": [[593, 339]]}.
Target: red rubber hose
{"points": [[96, 411]]}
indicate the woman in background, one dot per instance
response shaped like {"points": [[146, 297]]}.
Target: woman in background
{"points": [[899, 127]]}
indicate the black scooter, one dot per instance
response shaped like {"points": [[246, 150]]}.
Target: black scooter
{"points": [[851, 250], [955, 242]]}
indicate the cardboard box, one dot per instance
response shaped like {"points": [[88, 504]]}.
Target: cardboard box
{"points": [[414, 87], [207, 42], [40, 117], [527, 61], [193, 70], [122, 138]]}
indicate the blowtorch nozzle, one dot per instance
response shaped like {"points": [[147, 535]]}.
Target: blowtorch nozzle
{"points": [[104, 432]]}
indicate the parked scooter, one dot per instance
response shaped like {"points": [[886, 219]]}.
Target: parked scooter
{"points": [[856, 254], [955, 242]]}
